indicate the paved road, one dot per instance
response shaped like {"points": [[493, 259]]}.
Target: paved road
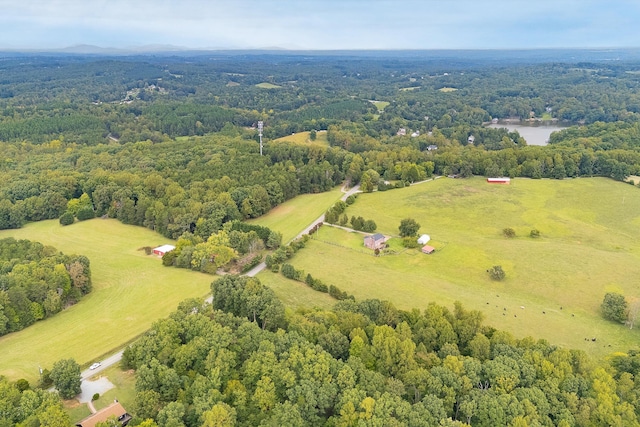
{"points": [[104, 364], [115, 358]]}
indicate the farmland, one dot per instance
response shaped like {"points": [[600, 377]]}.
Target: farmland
{"points": [[589, 245], [294, 215], [130, 291]]}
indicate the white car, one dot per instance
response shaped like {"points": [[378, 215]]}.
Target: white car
{"points": [[95, 366]]}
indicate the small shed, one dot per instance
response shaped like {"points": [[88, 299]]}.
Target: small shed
{"points": [[426, 249], [161, 250], [424, 239], [375, 241], [115, 410], [502, 180]]}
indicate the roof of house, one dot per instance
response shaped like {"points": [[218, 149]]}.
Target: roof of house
{"points": [[115, 409], [164, 248], [428, 249], [376, 236]]}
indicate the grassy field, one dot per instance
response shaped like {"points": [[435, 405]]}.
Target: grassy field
{"points": [[380, 105], [295, 294], [590, 245], [303, 138], [267, 85], [294, 215], [130, 291], [447, 89]]}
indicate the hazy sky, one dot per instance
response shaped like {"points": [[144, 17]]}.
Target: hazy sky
{"points": [[321, 24]]}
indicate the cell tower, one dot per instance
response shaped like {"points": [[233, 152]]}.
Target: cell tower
{"points": [[260, 126]]}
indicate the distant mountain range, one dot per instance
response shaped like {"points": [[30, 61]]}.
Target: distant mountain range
{"points": [[463, 55]]}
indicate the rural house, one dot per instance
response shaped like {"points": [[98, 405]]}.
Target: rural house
{"points": [[161, 250], [375, 241], [115, 410]]}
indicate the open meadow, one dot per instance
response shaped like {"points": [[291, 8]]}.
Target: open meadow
{"points": [[305, 139], [130, 291], [291, 217], [589, 245]]}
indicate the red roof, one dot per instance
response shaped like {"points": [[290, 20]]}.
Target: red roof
{"points": [[428, 249]]}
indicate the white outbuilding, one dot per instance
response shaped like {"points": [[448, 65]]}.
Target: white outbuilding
{"points": [[161, 250], [424, 239]]}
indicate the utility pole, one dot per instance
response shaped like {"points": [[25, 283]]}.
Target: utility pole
{"points": [[260, 126]]}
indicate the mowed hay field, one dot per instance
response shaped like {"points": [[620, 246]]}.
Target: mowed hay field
{"points": [[589, 245], [304, 138], [292, 216], [130, 291]]}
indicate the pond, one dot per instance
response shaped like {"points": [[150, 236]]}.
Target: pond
{"points": [[534, 134]]}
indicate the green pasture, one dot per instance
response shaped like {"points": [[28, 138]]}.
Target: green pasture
{"points": [[130, 291], [589, 245], [291, 217], [267, 85], [304, 139], [380, 105], [294, 294]]}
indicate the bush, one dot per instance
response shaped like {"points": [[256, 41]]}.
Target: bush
{"points": [[534, 233], [66, 218], [95, 397], [351, 199], [335, 292], [509, 232], [369, 226], [22, 384], [254, 261], [496, 272], [85, 213], [289, 271], [410, 242], [169, 258]]}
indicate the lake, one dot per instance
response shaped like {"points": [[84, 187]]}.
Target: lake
{"points": [[533, 134]]}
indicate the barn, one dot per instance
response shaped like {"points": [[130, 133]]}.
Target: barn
{"points": [[426, 249], [161, 250], [503, 180]]}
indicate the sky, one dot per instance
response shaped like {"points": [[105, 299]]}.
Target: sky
{"points": [[320, 24]]}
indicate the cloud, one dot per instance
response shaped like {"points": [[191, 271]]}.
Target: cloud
{"points": [[317, 24]]}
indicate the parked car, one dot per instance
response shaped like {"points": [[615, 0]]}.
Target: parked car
{"points": [[95, 366]]}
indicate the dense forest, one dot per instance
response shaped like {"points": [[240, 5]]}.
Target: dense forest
{"points": [[37, 282], [106, 129], [243, 362]]}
